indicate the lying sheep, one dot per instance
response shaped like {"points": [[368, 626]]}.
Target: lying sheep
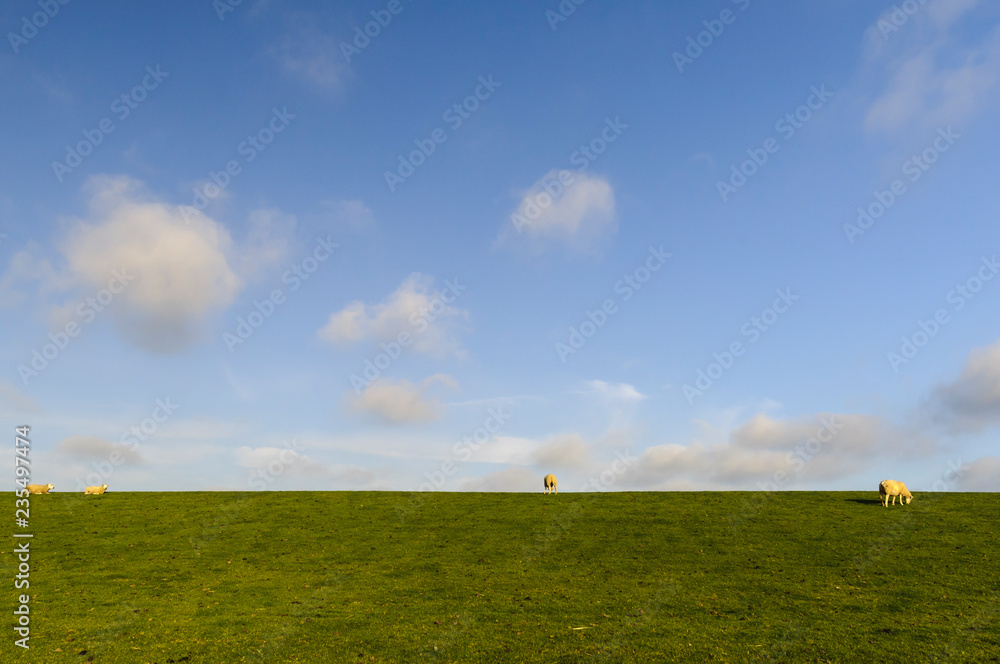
{"points": [[550, 484], [893, 488], [40, 488], [95, 490]]}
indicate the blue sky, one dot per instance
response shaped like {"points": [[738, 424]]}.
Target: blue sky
{"points": [[621, 243]]}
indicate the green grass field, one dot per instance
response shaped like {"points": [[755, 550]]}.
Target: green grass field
{"points": [[459, 577]]}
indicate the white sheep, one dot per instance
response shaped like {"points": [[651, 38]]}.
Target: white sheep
{"points": [[40, 488], [893, 488], [95, 490], [550, 484]]}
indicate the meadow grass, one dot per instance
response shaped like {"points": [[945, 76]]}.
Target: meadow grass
{"points": [[463, 577]]}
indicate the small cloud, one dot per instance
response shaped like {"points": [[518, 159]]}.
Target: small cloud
{"points": [[26, 266], [400, 401], [285, 458], [619, 400], [703, 158], [563, 451], [267, 243], [971, 402], [311, 55], [929, 78], [613, 391], [946, 12], [519, 480], [90, 448], [12, 402], [425, 315], [347, 215], [981, 475], [568, 209], [821, 447]]}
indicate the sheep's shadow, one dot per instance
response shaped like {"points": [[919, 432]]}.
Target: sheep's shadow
{"points": [[864, 501]]}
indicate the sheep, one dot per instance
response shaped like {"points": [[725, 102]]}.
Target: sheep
{"points": [[39, 488], [550, 484], [893, 488], [95, 490]]}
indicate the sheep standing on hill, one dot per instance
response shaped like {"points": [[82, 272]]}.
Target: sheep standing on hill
{"points": [[95, 490], [893, 488], [40, 488], [550, 484]]}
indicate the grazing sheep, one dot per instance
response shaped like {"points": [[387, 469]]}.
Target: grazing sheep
{"points": [[550, 484], [40, 488], [95, 490], [893, 488]]}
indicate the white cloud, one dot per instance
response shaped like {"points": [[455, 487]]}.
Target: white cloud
{"points": [[399, 402], [945, 12], [268, 241], [971, 402], [27, 266], [281, 459], [926, 78], [579, 216], [764, 446], [619, 400], [520, 480], [563, 451], [181, 267], [12, 402], [181, 272], [349, 215], [614, 391], [311, 55], [703, 158], [412, 308], [981, 475], [91, 448]]}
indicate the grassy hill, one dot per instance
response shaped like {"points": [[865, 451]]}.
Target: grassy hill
{"points": [[458, 577]]}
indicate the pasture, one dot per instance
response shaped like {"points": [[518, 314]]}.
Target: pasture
{"points": [[459, 577]]}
